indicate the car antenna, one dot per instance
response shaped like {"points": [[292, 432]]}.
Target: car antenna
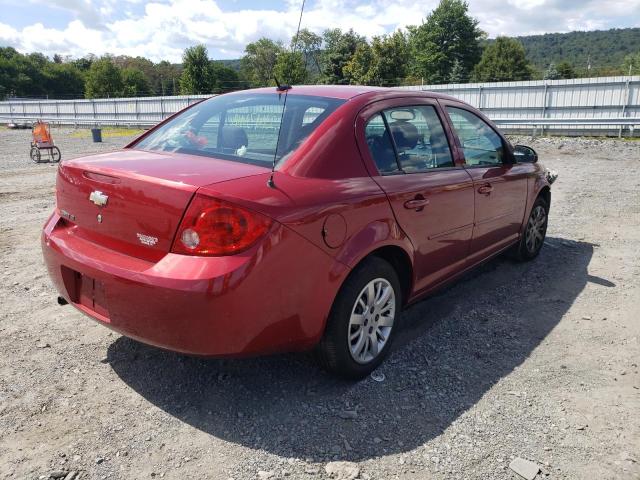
{"points": [[284, 88], [280, 88]]}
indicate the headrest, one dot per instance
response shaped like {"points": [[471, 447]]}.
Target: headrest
{"points": [[405, 134], [233, 137]]}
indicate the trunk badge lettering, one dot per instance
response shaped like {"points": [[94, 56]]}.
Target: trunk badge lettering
{"points": [[68, 215], [99, 198], [147, 239]]}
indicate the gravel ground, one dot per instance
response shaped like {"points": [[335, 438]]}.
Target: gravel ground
{"points": [[536, 360]]}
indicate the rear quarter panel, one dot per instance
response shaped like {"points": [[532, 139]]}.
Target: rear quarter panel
{"points": [[347, 219]]}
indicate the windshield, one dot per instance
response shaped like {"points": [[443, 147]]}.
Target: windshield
{"points": [[242, 127]]}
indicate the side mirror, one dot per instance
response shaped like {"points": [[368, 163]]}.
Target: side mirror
{"points": [[525, 154]]}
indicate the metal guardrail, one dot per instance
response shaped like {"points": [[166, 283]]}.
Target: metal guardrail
{"points": [[531, 122], [601, 106], [80, 121]]}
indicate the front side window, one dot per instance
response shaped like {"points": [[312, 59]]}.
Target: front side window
{"points": [[408, 139], [242, 127], [480, 143]]}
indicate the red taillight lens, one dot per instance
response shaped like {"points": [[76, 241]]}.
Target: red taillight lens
{"points": [[213, 227]]}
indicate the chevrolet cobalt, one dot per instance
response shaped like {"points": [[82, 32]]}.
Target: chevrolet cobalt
{"points": [[289, 219]]}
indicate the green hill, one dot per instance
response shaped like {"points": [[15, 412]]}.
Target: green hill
{"points": [[605, 48]]}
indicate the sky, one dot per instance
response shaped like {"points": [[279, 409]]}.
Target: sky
{"points": [[162, 29]]}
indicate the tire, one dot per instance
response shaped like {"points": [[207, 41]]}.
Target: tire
{"points": [[535, 231], [348, 348], [35, 154], [55, 154]]}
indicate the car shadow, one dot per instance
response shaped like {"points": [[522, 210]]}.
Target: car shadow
{"points": [[453, 347]]}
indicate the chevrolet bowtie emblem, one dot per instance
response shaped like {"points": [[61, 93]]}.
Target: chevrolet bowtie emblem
{"points": [[99, 198]]}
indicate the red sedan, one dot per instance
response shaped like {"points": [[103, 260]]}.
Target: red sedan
{"points": [[288, 219]]}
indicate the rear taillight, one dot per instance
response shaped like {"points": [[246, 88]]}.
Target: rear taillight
{"points": [[213, 227]]}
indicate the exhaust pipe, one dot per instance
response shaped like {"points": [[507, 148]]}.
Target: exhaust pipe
{"points": [[62, 301]]}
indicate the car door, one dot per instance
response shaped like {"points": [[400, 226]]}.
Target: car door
{"points": [[407, 149], [500, 184]]}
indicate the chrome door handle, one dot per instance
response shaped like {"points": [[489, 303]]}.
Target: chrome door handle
{"points": [[416, 204], [485, 189]]}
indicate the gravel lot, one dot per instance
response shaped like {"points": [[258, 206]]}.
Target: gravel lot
{"points": [[538, 361]]}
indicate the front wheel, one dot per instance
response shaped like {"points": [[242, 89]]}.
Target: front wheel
{"points": [[35, 154], [535, 231], [362, 321]]}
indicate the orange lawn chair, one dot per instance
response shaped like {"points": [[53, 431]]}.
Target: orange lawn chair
{"points": [[42, 141]]}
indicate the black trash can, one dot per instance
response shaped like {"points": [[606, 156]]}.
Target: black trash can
{"points": [[96, 133]]}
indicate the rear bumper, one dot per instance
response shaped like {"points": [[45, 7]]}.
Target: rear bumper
{"points": [[274, 297]]}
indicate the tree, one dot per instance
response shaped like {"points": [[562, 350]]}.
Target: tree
{"points": [[458, 74], [384, 62], [8, 53], [551, 73], [631, 64], [9, 71], [21, 75], [222, 78], [448, 35], [359, 68], [290, 68], [103, 79], [134, 83], [195, 74], [391, 56], [566, 70], [83, 64], [503, 60], [339, 48], [145, 66], [63, 80], [36, 75], [309, 44], [168, 78], [259, 61]]}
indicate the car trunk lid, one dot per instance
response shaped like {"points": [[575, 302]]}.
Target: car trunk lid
{"points": [[133, 201]]}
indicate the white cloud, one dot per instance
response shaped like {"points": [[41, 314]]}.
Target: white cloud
{"points": [[163, 28]]}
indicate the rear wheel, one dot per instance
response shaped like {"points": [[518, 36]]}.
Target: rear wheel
{"points": [[535, 231], [35, 154], [362, 321], [55, 154]]}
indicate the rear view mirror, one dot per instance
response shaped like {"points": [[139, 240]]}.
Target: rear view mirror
{"points": [[524, 154], [403, 115]]}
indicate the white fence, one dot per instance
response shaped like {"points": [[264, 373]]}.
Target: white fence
{"points": [[143, 111], [605, 106]]}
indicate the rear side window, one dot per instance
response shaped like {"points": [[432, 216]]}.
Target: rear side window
{"points": [[242, 127], [412, 136], [380, 146], [480, 143], [419, 138]]}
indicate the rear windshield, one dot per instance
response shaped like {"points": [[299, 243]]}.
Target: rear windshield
{"points": [[242, 127]]}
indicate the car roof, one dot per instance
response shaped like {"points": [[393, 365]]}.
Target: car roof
{"points": [[347, 92]]}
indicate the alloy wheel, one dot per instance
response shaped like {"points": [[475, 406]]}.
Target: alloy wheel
{"points": [[371, 320], [536, 229]]}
